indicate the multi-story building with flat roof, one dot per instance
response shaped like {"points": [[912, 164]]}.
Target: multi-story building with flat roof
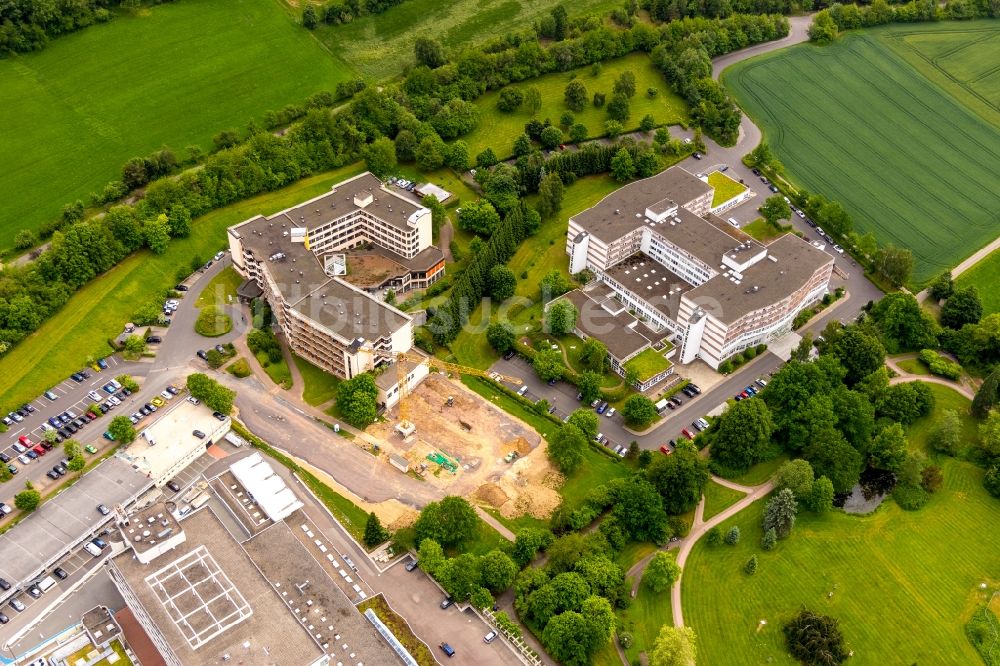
{"points": [[326, 266], [687, 274]]}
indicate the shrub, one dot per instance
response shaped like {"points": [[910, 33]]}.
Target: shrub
{"points": [[211, 323], [239, 368], [733, 536], [714, 536], [910, 496], [938, 365]]}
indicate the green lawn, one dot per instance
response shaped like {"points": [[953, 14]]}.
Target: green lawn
{"points": [[718, 498], [278, 372], [914, 366], [498, 130], [886, 121], [221, 290], [380, 45], [320, 386], [763, 230], [648, 363], [903, 583], [725, 188], [99, 310], [919, 432], [483, 541], [760, 472], [985, 276], [173, 75], [648, 612]]}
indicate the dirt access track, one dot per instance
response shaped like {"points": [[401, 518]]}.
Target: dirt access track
{"points": [[468, 441]]}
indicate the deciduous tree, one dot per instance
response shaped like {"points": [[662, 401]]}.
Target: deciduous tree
{"points": [[449, 521], [962, 307], [575, 95], [566, 448], [675, 646], [122, 430], [639, 411], [548, 365], [560, 318], [742, 434], [679, 478], [587, 421], [501, 336], [357, 400], [502, 282], [775, 208], [661, 572]]}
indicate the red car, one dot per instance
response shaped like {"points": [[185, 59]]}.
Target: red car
{"points": [[24, 440], [665, 450], [687, 433], [39, 449]]}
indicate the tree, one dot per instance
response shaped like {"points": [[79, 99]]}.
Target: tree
{"points": [[527, 544], [831, 456], [797, 476], [501, 336], [375, 533], [599, 99], [733, 535], [662, 136], [566, 448], [646, 163], [156, 233], [179, 220], [992, 481], [661, 572], [714, 536], [449, 521], [779, 513], [550, 194], [502, 282], [429, 154], [309, 18], [988, 447], [76, 463], [769, 540], [625, 84], [680, 479], [675, 646], [639, 411], [931, 478], [459, 576], [775, 208], [566, 637], [905, 402], [379, 155], [533, 100], [28, 500], [942, 287], [479, 217], [212, 393], [962, 307], [647, 123], [406, 146], [622, 167], [548, 365], [121, 429], [560, 318], [742, 435], [946, 433], [894, 264], [575, 95], [823, 29], [509, 99], [553, 284], [429, 52], [888, 449], [859, 352], [751, 566], [24, 239], [550, 137], [497, 571], [586, 420], [814, 638], [430, 556], [618, 108], [135, 344], [357, 400], [72, 448], [522, 145], [593, 354], [578, 132], [638, 509]]}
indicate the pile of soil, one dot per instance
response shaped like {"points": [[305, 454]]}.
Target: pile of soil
{"points": [[530, 486]]}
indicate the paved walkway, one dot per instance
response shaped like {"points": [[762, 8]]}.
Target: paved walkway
{"points": [[964, 387]]}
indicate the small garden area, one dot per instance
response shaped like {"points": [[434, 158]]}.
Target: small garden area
{"points": [[725, 188], [400, 629], [267, 350], [221, 289], [764, 230], [320, 386], [647, 364]]}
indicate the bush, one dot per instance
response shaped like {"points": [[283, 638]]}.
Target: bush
{"points": [[714, 536], [239, 368], [910, 496], [211, 323], [938, 365], [733, 536]]}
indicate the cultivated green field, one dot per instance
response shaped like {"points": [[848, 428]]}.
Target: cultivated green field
{"points": [[380, 45], [861, 122], [903, 583], [985, 275], [498, 130], [100, 309], [175, 75]]}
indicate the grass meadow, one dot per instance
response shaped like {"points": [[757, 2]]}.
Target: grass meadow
{"points": [[380, 45], [498, 129], [320, 386], [718, 498], [985, 275], [98, 311], [866, 122], [903, 583], [173, 75]]}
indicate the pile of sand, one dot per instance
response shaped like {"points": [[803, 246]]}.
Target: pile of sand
{"points": [[530, 486], [492, 494]]}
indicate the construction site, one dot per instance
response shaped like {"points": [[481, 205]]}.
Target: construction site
{"points": [[467, 446]]}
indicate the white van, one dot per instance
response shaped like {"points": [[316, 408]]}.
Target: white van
{"points": [[46, 583], [92, 548], [733, 221], [522, 390]]}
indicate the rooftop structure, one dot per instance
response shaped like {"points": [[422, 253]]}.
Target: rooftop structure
{"points": [[267, 488], [169, 445], [100, 625], [687, 273], [431, 189]]}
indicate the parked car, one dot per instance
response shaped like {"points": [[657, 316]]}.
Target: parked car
{"points": [[172, 391], [490, 637], [180, 287], [665, 450], [219, 416], [202, 355], [102, 363], [448, 601], [411, 565], [610, 412], [60, 573], [17, 605], [199, 434], [447, 649], [174, 486], [4, 619], [4, 585], [51, 396], [90, 448], [687, 433], [154, 340], [103, 510]]}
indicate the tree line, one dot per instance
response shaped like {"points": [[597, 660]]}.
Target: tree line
{"points": [[829, 23]]}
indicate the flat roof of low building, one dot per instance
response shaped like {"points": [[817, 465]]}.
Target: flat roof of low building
{"points": [[208, 599], [789, 264], [651, 281], [100, 625], [430, 188], [622, 334], [149, 526], [169, 439], [67, 519]]}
